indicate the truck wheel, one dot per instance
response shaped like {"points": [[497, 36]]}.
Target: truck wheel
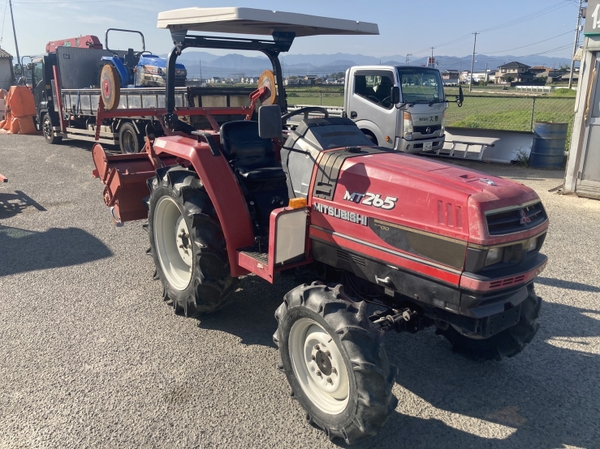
{"points": [[335, 361], [48, 132], [187, 243], [129, 140], [369, 135], [507, 343]]}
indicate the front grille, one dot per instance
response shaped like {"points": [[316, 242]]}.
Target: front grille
{"points": [[348, 257], [423, 129], [516, 220], [508, 281]]}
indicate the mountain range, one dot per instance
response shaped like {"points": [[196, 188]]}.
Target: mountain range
{"points": [[206, 65]]}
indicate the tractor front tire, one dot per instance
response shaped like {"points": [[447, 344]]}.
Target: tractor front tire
{"points": [[187, 243], [506, 343], [48, 130], [335, 361]]}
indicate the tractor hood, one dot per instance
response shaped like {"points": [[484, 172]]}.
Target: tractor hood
{"points": [[414, 192]]}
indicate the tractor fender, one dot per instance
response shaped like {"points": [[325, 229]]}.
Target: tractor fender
{"points": [[221, 186], [121, 69]]}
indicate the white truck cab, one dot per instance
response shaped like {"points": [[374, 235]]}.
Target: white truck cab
{"points": [[412, 125]]}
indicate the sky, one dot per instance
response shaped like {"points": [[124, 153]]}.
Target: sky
{"points": [[407, 27]]}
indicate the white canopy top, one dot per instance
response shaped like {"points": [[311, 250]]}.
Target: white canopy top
{"points": [[259, 21]]}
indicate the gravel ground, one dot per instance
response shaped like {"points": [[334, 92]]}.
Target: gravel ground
{"points": [[90, 356]]}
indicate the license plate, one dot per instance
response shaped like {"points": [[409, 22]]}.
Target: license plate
{"points": [[427, 146]]}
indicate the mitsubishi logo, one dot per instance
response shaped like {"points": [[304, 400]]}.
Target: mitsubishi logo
{"points": [[524, 218]]}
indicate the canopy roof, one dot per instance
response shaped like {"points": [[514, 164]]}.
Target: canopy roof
{"points": [[260, 22]]}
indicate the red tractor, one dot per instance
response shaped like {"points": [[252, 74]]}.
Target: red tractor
{"points": [[392, 241]]}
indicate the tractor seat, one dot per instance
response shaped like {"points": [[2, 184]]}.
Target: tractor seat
{"points": [[251, 156], [130, 59]]}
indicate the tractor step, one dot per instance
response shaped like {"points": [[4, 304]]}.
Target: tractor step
{"points": [[257, 263], [285, 249]]}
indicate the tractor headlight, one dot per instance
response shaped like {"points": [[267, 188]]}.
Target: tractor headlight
{"points": [[533, 243], [494, 255]]}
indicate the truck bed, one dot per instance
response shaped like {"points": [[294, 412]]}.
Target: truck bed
{"points": [[84, 102]]}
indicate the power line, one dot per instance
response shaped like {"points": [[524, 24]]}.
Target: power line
{"points": [[519, 20], [551, 50], [531, 16], [528, 45]]}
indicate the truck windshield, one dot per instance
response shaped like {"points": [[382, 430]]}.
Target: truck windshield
{"points": [[420, 85]]}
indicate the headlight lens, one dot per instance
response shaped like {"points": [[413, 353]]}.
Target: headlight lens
{"points": [[532, 244], [408, 124], [494, 256]]}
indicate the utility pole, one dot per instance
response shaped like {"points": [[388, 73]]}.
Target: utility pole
{"points": [[575, 44], [431, 63], [473, 63], [408, 55], [15, 34]]}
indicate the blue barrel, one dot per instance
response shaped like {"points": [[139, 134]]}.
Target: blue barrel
{"points": [[548, 150]]}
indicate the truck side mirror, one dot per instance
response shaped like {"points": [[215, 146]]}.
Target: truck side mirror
{"points": [[395, 95], [269, 121]]}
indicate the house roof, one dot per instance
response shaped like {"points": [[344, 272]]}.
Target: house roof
{"points": [[514, 65], [5, 54]]}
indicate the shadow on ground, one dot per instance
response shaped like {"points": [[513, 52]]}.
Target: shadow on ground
{"points": [[536, 399], [22, 250], [12, 204]]}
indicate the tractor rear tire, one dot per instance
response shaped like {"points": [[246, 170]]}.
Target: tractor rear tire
{"points": [[129, 140], [335, 361], [48, 131], [187, 243], [506, 343]]}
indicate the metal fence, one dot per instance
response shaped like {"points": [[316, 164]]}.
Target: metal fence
{"points": [[503, 112], [511, 113]]}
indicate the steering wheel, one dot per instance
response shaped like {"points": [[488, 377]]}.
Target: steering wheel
{"points": [[307, 110]]}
